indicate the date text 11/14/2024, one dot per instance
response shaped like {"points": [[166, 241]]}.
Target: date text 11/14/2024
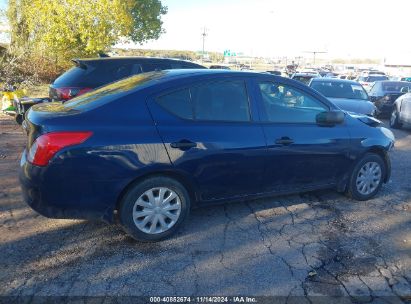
{"points": [[203, 299]]}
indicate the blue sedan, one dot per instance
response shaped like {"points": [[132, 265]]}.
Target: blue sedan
{"points": [[144, 150]]}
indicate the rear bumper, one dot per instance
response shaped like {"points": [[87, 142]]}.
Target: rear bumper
{"points": [[54, 200]]}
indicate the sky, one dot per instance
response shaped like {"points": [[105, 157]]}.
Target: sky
{"points": [[343, 28], [272, 28]]}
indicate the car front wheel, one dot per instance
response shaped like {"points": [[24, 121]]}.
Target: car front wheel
{"points": [[154, 209], [367, 177]]}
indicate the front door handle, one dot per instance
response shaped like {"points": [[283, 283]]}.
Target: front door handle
{"points": [[183, 145], [285, 141]]}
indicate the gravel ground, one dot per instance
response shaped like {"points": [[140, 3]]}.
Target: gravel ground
{"points": [[312, 244]]}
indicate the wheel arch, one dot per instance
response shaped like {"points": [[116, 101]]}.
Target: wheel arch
{"points": [[382, 152], [189, 185]]}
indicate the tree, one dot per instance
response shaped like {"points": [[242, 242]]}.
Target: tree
{"points": [[63, 29]]}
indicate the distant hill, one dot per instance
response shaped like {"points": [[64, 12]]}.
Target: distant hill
{"points": [[184, 55]]}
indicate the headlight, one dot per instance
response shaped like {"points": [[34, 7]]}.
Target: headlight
{"points": [[388, 133]]}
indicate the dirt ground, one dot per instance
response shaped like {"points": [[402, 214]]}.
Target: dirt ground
{"points": [[300, 247]]}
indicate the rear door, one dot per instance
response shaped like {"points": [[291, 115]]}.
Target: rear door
{"points": [[211, 135]]}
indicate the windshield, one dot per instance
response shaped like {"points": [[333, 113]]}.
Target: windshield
{"points": [[395, 86], [340, 90], [112, 91]]}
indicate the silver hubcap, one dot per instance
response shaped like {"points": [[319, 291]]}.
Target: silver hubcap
{"points": [[368, 178], [156, 210]]}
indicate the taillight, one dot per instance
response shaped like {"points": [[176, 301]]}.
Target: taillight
{"points": [[47, 145], [68, 93]]}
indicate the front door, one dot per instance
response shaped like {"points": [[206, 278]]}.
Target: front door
{"points": [[301, 154]]}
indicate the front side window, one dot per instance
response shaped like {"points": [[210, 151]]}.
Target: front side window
{"points": [[285, 104], [221, 101]]}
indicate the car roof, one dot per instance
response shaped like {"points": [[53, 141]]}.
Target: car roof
{"points": [[185, 73], [326, 79], [204, 74]]}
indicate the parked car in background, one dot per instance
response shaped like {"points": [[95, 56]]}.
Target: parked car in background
{"points": [[368, 81], [181, 139], [401, 113], [384, 93], [219, 67], [275, 72], [305, 78], [88, 74], [346, 94]]}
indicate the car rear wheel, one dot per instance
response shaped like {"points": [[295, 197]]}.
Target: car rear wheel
{"points": [[395, 122], [154, 209], [367, 177]]}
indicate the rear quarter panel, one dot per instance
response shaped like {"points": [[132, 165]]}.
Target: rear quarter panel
{"points": [[91, 176]]}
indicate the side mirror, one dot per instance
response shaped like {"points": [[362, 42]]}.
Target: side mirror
{"points": [[330, 118], [405, 90]]}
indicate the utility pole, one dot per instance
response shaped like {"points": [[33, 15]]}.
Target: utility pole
{"points": [[315, 53], [203, 34]]}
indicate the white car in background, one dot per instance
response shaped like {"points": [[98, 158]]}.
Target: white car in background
{"points": [[367, 81], [401, 114]]}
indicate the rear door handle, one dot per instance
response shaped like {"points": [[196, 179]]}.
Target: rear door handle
{"points": [[183, 145], [285, 141]]}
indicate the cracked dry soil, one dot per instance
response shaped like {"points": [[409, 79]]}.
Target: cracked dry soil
{"points": [[307, 245]]}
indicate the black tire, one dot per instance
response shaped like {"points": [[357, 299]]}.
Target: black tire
{"points": [[352, 190], [137, 190], [395, 122]]}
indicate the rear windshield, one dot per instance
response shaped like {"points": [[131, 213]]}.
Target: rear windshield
{"points": [[112, 91], [340, 90], [375, 78], [395, 86], [74, 76], [92, 75]]}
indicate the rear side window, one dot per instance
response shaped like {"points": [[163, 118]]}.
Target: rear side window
{"points": [[221, 101], [217, 101], [177, 103]]}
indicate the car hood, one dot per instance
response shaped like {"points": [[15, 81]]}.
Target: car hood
{"points": [[359, 106]]}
